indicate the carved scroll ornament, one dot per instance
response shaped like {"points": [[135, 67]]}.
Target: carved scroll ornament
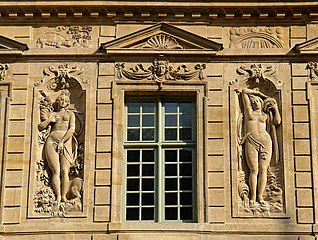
{"points": [[3, 71], [253, 37], [160, 72], [62, 76], [313, 71]]}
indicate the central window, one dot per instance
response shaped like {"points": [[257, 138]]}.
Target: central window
{"points": [[160, 154]]}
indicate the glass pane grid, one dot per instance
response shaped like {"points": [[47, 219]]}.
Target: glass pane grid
{"points": [[178, 194], [140, 185], [178, 121], [140, 121]]}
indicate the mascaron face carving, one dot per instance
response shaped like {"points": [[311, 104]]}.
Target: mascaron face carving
{"points": [[160, 72]]}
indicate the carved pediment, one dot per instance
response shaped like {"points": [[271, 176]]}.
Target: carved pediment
{"points": [[164, 39], [9, 46], [308, 47]]}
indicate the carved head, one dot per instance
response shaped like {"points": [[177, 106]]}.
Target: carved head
{"points": [[161, 66], [268, 104], [64, 99], [257, 102]]}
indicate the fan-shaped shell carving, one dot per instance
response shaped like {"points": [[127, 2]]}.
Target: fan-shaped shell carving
{"points": [[162, 41]]}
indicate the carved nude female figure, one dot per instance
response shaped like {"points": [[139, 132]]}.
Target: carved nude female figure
{"points": [[58, 146], [259, 112]]}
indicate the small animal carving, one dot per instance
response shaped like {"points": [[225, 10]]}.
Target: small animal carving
{"points": [[53, 40]]}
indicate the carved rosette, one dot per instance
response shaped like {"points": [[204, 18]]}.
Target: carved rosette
{"points": [[65, 37], [3, 71], [256, 37], [254, 94], [160, 72], [313, 71]]}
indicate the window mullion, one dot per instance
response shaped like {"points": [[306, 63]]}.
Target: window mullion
{"points": [[160, 192]]}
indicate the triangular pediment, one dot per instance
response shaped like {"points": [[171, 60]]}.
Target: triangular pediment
{"points": [[308, 47], [9, 46], [162, 38]]}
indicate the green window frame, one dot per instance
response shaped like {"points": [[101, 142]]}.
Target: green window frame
{"points": [[160, 159]]}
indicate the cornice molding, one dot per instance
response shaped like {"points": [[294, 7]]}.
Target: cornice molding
{"points": [[161, 10]]}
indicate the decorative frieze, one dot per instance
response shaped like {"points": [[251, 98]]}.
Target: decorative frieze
{"points": [[256, 37], [160, 71], [65, 37]]}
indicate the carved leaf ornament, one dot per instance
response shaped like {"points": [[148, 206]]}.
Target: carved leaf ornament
{"points": [[160, 71]]}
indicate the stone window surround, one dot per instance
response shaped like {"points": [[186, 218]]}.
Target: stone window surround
{"points": [[196, 89]]}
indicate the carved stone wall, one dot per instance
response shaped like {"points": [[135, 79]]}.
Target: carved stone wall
{"points": [[64, 75]]}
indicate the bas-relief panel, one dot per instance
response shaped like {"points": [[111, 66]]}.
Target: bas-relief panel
{"points": [[63, 37], [257, 158], [58, 151]]}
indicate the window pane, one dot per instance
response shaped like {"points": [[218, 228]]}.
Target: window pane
{"points": [[171, 120], [171, 213], [185, 155], [133, 134], [148, 107], [132, 170], [185, 120], [185, 107], [148, 170], [148, 155], [171, 170], [185, 183], [132, 213], [133, 155], [132, 199], [133, 184], [133, 107], [148, 199], [186, 198], [171, 184], [171, 198], [147, 214], [171, 156], [170, 107], [148, 184], [185, 169], [171, 134], [133, 121], [185, 134], [148, 134], [186, 213], [148, 120]]}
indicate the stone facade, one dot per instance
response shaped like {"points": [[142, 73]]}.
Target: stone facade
{"points": [[68, 72]]}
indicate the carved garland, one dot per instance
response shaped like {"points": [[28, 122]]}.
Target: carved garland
{"points": [[160, 72]]}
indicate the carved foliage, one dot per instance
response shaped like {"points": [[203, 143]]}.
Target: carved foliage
{"points": [[3, 71], [161, 41], [65, 37], [253, 37], [256, 95], [61, 143], [313, 71], [160, 71]]}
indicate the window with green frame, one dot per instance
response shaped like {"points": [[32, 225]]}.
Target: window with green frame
{"points": [[160, 157]]}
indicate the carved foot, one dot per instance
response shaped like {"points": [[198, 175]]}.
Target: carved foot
{"points": [[253, 204]]}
